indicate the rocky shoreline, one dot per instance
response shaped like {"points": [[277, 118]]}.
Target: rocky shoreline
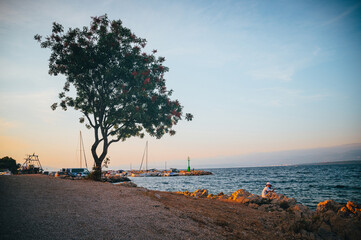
{"points": [[331, 220]]}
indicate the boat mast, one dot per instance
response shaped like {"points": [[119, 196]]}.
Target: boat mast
{"points": [[145, 153], [82, 148], [146, 160]]}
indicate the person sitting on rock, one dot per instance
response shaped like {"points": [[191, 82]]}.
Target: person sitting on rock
{"points": [[267, 189]]}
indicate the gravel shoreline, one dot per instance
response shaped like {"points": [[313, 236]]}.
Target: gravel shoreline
{"points": [[42, 207]]}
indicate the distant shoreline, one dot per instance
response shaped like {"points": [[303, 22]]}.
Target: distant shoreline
{"points": [[332, 163], [346, 162]]}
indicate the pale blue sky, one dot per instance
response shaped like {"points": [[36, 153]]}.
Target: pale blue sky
{"points": [[259, 76]]}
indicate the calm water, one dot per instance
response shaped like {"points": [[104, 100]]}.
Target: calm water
{"points": [[309, 184]]}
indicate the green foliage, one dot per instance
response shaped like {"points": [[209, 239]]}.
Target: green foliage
{"points": [[106, 162], [93, 175], [120, 89], [9, 163]]}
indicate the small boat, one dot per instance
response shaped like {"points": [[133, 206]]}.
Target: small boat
{"points": [[171, 174]]}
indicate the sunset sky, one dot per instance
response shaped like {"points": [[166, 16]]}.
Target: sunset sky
{"points": [[258, 76]]}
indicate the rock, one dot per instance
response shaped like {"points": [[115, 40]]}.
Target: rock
{"points": [[301, 211], [224, 196], [128, 184], [116, 179], [325, 232], [253, 205], [328, 205], [211, 196], [343, 212], [281, 200], [244, 197], [239, 195], [304, 233], [200, 193], [340, 218], [353, 207], [311, 236], [263, 207]]}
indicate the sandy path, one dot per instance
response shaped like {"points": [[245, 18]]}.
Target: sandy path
{"points": [[42, 207]]}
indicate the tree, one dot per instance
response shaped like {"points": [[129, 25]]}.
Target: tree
{"points": [[9, 163], [120, 89]]}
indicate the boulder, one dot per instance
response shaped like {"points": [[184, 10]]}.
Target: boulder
{"points": [[200, 193], [244, 197], [325, 232], [343, 212], [354, 207], [224, 196], [128, 184], [116, 179], [328, 205], [281, 200], [301, 211], [211, 196], [336, 221]]}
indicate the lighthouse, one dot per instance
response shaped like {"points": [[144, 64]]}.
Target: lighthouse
{"points": [[189, 166]]}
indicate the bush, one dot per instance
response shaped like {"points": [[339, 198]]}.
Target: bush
{"points": [[9, 163]]}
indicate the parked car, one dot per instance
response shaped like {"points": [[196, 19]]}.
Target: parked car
{"points": [[60, 174], [5, 172], [77, 172]]}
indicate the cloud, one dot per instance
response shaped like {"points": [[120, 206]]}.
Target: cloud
{"points": [[342, 15], [283, 97]]}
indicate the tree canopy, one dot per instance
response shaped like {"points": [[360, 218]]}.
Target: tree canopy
{"points": [[120, 89]]}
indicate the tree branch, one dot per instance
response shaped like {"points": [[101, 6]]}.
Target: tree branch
{"points": [[90, 122]]}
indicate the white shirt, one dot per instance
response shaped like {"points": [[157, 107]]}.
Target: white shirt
{"points": [[265, 191]]}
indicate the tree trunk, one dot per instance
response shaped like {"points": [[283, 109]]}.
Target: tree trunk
{"points": [[97, 171], [98, 160]]}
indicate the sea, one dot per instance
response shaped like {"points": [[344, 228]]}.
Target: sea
{"points": [[309, 184]]}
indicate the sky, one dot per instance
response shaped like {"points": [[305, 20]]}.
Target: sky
{"points": [[258, 76]]}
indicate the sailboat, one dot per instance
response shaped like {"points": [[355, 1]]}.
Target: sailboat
{"points": [[145, 173], [145, 153], [79, 172]]}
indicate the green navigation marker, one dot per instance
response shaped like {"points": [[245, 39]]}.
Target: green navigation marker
{"points": [[189, 166]]}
